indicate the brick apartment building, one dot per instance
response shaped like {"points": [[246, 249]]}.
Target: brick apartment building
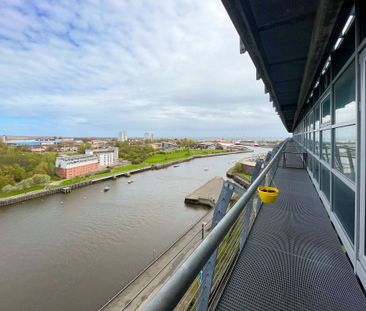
{"points": [[71, 166], [91, 161]]}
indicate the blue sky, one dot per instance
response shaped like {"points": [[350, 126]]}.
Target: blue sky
{"points": [[93, 68]]}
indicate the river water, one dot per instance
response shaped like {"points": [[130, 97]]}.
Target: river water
{"points": [[73, 252]]}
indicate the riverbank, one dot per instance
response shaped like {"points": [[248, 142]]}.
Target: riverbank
{"points": [[123, 171], [149, 281]]}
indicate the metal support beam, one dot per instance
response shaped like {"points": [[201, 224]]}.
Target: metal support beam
{"points": [[208, 270], [251, 206]]}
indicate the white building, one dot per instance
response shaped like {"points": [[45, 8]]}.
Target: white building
{"points": [[122, 136], [148, 136], [167, 146], [67, 162], [3, 139], [106, 157]]}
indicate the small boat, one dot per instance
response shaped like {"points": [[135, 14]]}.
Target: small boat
{"points": [[128, 175], [130, 181], [206, 168], [106, 189], [175, 165]]}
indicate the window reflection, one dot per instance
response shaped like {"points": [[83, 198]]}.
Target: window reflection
{"points": [[326, 145], [344, 205], [317, 116], [326, 111], [344, 96], [325, 181], [345, 150], [317, 143], [310, 163], [311, 141], [311, 121], [316, 169]]}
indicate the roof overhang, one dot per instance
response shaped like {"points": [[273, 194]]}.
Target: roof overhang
{"points": [[287, 41]]}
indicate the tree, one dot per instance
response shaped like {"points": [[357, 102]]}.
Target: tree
{"points": [[9, 188], [83, 147], [18, 165], [15, 171], [6, 180], [186, 143], [41, 179]]}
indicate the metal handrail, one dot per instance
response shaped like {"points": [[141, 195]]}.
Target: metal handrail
{"points": [[175, 288]]}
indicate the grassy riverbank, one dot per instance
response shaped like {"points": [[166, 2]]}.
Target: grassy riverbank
{"points": [[17, 192], [161, 158], [116, 170], [156, 159]]}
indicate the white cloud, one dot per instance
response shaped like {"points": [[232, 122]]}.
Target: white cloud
{"points": [[97, 67]]}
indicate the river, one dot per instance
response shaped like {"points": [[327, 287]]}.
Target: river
{"points": [[73, 252]]}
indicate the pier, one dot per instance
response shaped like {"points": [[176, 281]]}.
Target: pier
{"points": [[206, 195]]}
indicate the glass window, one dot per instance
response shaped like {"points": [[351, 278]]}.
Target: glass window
{"points": [[310, 162], [312, 141], [317, 117], [344, 96], [316, 169], [326, 111], [317, 143], [345, 151], [325, 181], [326, 145], [344, 205], [306, 124], [311, 121]]}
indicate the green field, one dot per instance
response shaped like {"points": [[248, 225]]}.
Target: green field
{"points": [[162, 157]]}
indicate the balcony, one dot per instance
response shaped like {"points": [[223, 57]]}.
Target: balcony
{"points": [[284, 256]]}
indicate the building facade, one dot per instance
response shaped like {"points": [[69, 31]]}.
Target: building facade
{"points": [[332, 131], [106, 157], [122, 136], [312, 60], [72, 166]]}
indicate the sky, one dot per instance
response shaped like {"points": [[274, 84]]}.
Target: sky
{"points": [[94, 68]]}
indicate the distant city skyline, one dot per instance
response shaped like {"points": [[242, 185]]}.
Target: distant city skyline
{"points": [[85, 68], [3, 137]]}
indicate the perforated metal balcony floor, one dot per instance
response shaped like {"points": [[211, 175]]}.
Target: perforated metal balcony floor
{"points": [[293, 259]]}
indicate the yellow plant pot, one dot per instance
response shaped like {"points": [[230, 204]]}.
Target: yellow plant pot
{"points": [[267, 194]]}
